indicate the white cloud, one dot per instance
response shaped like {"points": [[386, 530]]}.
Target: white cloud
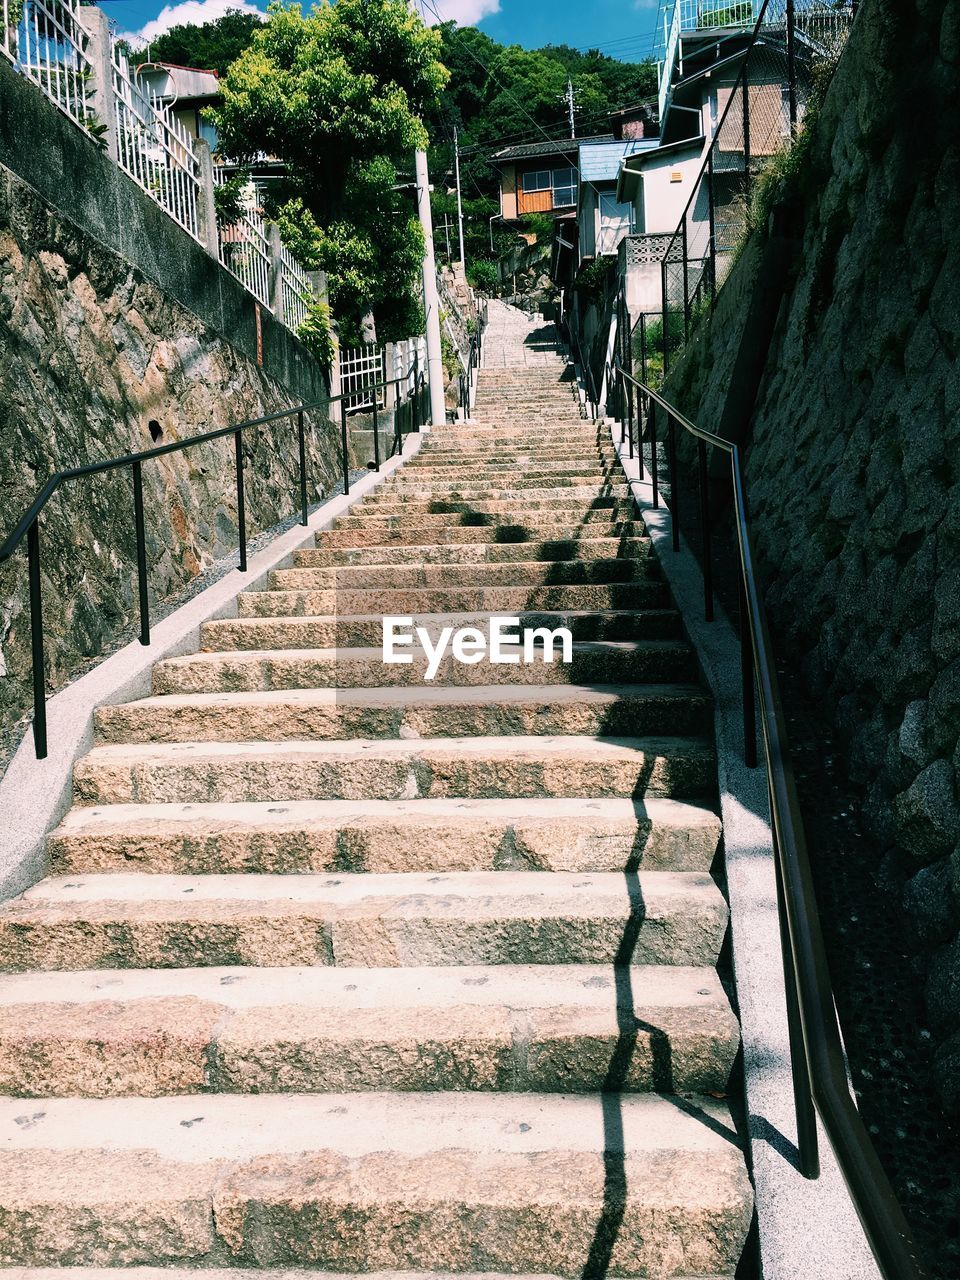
{"points": [[463, 12], [192, 12]]}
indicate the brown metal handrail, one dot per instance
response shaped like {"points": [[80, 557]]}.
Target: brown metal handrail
{"points": [[817, 1059]]}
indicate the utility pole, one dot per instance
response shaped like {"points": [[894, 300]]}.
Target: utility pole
{"points": [[456, 169], [569, 97], [431, 302]]}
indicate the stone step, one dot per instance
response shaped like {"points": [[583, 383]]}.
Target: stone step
{"points": [[254, 1273], [473, 553], [507, 466], [514, 503], [356, 1182], [302, 715], [595, 662], [517, 488], [386, 835], [415, 601], [366, 920], [388, 769], [534, 1028], [511, 573], [477, 527], [591, 453], [225, 634]]}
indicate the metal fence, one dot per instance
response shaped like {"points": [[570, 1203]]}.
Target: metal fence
{"points": [[46, 42], [361, 367], [757, 116], [51, 43], [154, 148]]}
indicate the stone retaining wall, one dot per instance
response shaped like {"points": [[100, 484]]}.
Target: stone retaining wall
{"points": [[853, 450]]}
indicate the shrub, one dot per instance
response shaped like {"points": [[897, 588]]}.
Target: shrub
{"points": [[316, 333]]}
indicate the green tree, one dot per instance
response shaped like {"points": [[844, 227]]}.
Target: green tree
{"points": [[339, 95], [210, 46]]}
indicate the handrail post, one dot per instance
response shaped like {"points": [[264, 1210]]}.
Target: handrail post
{"points": [[686, 277], [705, 531], [643, 345], [665, 313], [303, 468], [748, 681], [712, 215], [376, 432], [745, 90], [654, 464], [674, 488], [137, 469], [344, 455], [241, 501], [36, 644]]}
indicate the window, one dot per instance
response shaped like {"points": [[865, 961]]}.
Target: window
{"points": [[561, 183]]}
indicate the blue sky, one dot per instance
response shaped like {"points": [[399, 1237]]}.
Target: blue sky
{"points": [[622, 28]]}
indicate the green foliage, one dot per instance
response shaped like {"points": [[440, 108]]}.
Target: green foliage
{"points": [[338, 96], [482, 274], [228, 198], [592, 280], [539, 225], [729, 15], [316, 332], [211, 46], [500, 94]]}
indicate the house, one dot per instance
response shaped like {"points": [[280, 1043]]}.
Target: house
{"points": [[185, 93], [538, 177]]}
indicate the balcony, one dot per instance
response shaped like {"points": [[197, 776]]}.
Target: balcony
{"points": [[696, 16]]}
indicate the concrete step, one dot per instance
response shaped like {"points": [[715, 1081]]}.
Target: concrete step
{"points": [[632, 548], [388, 769], [596, 662], [307, 715], [225, 634], [386, 835], [357, 1182], [539, 1028], [365, 920], [511, 573], [414, 601]]}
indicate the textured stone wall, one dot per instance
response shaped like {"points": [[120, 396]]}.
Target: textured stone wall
{"points": [[853, 452], [91, 353]]}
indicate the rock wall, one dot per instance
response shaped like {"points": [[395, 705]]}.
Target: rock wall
{"points": [[853, 448], [97, 360]]}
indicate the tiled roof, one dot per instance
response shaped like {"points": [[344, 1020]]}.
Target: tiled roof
{"points": [[551, 147]]}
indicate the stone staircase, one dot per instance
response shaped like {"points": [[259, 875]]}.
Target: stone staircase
{"points": [[342, 970]]}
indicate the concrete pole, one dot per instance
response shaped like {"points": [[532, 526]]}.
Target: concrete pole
{"points": [[431, 302], [456, 169], [206, 205], [95, 23]]}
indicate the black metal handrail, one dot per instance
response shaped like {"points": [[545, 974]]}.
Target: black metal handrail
{"points": [[474, 353], [816, 1050], [28, 524]]}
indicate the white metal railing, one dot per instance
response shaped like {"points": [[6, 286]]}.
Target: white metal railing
{"points": [[245, 245], [359, 366], [46, 41], [671, 40], [154, 148], [295, 290]]}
